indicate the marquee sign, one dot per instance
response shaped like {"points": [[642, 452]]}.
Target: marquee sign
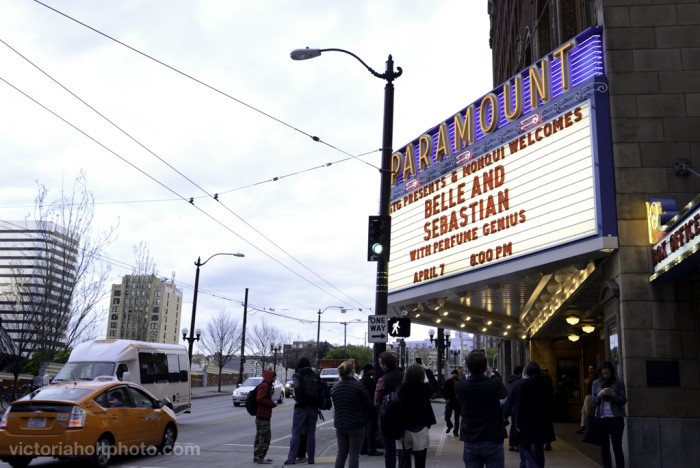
{"points": [[505, 177]]}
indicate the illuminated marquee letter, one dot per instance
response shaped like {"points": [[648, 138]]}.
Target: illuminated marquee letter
{"points": [[443, 143], [395, 167], [539, 81], [425, 147], [563, 54], [464, 129], [409, 162], [490, 101], [510, 113]]}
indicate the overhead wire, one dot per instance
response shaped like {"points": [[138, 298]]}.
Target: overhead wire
{"points": [[196, 80], [215, 197], [165, 187]]}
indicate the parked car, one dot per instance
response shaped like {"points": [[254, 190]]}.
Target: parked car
{"points": [[250, 383], [92, 420], [289, 389], [330, 376]]}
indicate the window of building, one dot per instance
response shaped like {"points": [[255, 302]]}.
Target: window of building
{"points": [[115, 301], [113, 333], [115, 309], [113, 325], [115, 316], [117, 292], [154, 326], [156, 310], [158, 301], [154, 317]]}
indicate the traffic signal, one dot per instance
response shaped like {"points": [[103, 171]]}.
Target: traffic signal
{"points": [[378, 239], [400, 326]]}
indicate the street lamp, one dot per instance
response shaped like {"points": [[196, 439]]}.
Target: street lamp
{"points": [[382, 297], [275, 349], [318, 332], [441, 342], [191, 339], [345, 337]]}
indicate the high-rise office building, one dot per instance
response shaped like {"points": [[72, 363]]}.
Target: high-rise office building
{"points": [[145, 308], [37, 279]]}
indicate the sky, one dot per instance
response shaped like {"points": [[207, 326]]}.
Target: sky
{"points": [[205, 100]]}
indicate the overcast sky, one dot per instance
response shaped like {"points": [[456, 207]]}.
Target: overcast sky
{"points": [[228, 112]]}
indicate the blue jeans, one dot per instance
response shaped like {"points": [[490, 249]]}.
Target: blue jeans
{"points": [[533, 455], [303, 417], [480, 454], [349, 444]]}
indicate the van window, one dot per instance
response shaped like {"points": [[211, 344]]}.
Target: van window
{"points": [[173, 368], [153, 367]]}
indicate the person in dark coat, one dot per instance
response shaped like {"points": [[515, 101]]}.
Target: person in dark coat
{"points": [[451, 403], [386, 384], [352, 409], [534, 420], [510, 409], [263, 434], [414, 394], [369, 446], [482, 429]]}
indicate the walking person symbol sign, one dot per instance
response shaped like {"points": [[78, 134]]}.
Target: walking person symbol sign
{"points": [[400, 327], [377, 329]]}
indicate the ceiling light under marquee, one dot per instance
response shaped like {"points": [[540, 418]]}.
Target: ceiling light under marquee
{"points": [[572, 320], [573, 337], [588, 328]]}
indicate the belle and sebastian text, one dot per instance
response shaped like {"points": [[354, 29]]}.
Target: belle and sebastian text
{"points": [[476, 205]]}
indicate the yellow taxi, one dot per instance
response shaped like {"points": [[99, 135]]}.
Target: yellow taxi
{"points": [[93, 421]]}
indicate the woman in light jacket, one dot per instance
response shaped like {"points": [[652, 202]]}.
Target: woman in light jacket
{"points": [[608, 400]]}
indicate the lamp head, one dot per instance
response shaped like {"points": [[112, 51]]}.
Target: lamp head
{"points": [[304, 54], [198, 332], [431, 333], [184, 333]]}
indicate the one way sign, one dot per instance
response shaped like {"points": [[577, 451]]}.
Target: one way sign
{"points": [[377, 329]]}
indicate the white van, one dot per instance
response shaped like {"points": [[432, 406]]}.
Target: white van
{"points": [[162, 369]]}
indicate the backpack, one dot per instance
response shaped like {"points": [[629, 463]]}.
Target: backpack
{"points": [[391, 417], [325, 402], [251, 402], [307, 392]]}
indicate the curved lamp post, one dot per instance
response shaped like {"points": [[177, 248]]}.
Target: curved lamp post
{"points": [[318, 332], [191, 339], [345, 336], [381, 301]]}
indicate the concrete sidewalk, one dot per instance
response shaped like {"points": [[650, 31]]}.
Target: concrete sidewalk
{"points": [[445, 449]]}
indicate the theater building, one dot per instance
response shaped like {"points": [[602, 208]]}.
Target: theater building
{"points": [[560, 211]]}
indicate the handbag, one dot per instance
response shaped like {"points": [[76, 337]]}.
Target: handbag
{"points": [[592, 434]]}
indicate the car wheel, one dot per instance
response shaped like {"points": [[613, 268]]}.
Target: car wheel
{"points": [[103, 452], [168, 442], [19, 461]]}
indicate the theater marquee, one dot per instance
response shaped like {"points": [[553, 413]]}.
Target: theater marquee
{"points": [[501, 181]]}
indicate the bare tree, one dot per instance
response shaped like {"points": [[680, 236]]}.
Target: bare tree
{"points": [[58, 283], [145, 264], [221, 339], [263, 338]]}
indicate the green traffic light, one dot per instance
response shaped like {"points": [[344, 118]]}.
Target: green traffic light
{"points": [[377, 248]]}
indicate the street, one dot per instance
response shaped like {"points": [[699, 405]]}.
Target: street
{"points": [[217, 433]]}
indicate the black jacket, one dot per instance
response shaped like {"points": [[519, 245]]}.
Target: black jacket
{"points": [[351, 404], [371, 386], [482, 418], [534, 416], [448, 391], [415, 399], [386, 384]]}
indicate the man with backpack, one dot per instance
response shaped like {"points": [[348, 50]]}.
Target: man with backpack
{"points": [[387, 384], [263, 434], [307, 394]]}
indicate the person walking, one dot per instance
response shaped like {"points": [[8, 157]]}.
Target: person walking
{"points": [[534, 419], [386, 384], [451, 403], [263, 434], [587, 392], [415, 393], [482, 429], [608, 399], [307, 392], [510, 408], [352, 409], [369, 445]]}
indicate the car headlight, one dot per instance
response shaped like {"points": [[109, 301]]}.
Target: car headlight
{"points": [[235, 392]]}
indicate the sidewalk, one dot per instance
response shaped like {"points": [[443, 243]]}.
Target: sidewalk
{"points": [[446, 450]]}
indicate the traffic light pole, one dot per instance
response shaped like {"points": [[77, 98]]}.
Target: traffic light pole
{"points": [[382, 290]]}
